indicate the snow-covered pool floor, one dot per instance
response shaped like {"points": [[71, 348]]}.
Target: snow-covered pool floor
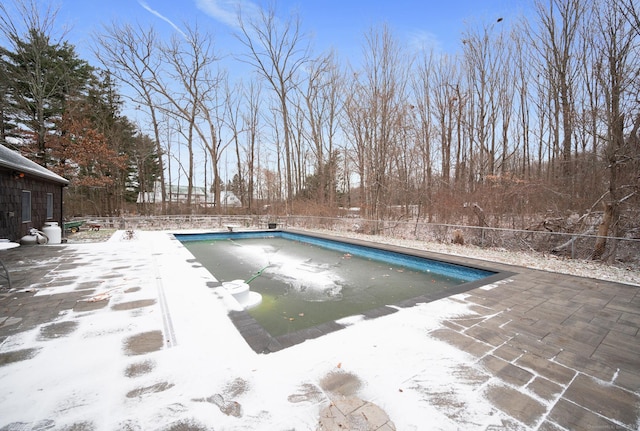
{"points": [[143, 342]]}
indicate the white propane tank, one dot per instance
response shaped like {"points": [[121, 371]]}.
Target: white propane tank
{"points": [[53, 232], [28, 240]]}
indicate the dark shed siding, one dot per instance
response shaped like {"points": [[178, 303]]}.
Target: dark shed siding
{"points": [[34, 179], [11, 224]]}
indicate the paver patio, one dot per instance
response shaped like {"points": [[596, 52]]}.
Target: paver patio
{"points": [[545, 351]]}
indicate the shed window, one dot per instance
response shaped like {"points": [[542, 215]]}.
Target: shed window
{"points": [[26, 205], [49, 206]]}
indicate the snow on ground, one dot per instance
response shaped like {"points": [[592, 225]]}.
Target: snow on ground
{"points": [[83, 377]]}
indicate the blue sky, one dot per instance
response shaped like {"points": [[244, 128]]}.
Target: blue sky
{"points": [[340, 25], [337, 24]]}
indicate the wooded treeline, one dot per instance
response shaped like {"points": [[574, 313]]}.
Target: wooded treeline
{"points": [[531, 117]]}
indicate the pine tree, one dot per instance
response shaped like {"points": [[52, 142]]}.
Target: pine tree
{"points": [[41, 78]]}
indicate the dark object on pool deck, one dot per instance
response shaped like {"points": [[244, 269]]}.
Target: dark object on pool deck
{"points": [[272, 225]]}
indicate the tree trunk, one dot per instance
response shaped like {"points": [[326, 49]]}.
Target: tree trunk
{"points": [[479, 212], [603, 231]]}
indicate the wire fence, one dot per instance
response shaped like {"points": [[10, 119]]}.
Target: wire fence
{"points": [[566, 244]]}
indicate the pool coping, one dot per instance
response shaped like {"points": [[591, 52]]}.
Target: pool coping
{"points": [[263, 342]]}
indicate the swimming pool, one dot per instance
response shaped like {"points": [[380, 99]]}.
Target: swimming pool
{"points": [[309, 283]]}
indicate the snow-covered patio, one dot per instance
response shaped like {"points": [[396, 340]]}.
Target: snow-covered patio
{"points": [[131, 334]]}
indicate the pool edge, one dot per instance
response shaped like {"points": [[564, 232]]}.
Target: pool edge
{"points": [[262, 342]]}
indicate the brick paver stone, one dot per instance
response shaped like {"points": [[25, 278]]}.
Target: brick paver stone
{"points": [[461, 341], [573, 417], [546, 368], [545, 389], [516, 404], [506, 371], [604, 399]]}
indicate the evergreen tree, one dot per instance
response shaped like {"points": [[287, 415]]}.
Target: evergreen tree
{"points": [[40, 79], [238, 187]]}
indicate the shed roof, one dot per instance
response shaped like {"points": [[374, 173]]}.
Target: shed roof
{"points": [[13, 160]]}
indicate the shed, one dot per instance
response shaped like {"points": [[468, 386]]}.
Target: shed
{"points": [[30, 195]]}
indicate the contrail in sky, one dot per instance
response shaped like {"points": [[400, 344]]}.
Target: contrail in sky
{"points": [[162, 17]]}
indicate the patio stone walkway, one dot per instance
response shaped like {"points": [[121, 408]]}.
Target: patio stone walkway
{"points": [[561, 352]]}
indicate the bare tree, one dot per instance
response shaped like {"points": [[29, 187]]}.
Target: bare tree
{"points": [[333, 101], [251, 121], [232, 106], [560, 22], [277, 50], [299, 142], [523, 87], [356, 126], [483, 54], [505, 93], [444, 94], [422, 90], [589, 105], [631, 11], [618, 61], [191, 60], [131, 55], [376, 110], [322, 99]]}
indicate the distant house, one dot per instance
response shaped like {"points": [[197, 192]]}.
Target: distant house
{"points": [[30, 195], [229, 199], [179, 194]]}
